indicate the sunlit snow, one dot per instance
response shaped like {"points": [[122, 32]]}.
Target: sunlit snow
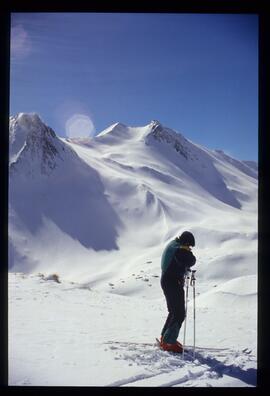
{"points": [[88, 221]]}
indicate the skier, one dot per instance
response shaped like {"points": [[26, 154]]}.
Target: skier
{"points": [[176, 259]]}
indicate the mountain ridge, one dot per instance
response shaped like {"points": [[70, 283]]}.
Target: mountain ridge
{"points": [[33, 128], [104, 190]]}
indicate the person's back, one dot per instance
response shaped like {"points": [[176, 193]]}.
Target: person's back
{"points": [[168, 254], [175, 261]]}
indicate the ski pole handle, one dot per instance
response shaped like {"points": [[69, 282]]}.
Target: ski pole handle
{"points": [[192, 278]]}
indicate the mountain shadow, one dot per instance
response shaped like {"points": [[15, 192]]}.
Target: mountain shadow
{"points": [[73, 198]]}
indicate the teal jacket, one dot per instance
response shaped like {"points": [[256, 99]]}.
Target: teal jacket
{"points": [[175, 261]]}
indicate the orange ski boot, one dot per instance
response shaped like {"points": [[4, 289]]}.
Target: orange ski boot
{"points": [[171, 347]]}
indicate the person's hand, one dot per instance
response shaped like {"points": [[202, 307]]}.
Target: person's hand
{"points": [[188, 248]]}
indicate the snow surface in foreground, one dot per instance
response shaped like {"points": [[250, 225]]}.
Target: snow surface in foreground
{"points": [[64, 334]]}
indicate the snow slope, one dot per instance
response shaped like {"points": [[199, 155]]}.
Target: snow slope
{"points": [[98, 213], [54, 197], [71, 335]]}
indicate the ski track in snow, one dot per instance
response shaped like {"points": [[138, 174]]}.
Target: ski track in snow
{"points": [[161, 366]]}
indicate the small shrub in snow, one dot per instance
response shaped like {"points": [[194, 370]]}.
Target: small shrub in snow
{"points": [[53, 277]]}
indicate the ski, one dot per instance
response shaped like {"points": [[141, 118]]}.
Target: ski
{"points": [[157, 343], [131, 343]]}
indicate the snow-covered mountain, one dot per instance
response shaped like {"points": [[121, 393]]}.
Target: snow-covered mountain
{"points": [[120, 197], [98, 213], [53, 192]]}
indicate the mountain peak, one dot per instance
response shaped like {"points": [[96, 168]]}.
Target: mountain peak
{"points": [[161, 134], [28, 119], [28, 127], [155, 124], [33, 143], [118, 126], [29, 123]]}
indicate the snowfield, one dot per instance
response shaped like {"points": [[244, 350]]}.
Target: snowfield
{"points": [[98, 213], [67, 334]]}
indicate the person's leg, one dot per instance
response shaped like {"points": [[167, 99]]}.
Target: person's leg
{"points": [[168, 320], [176, 307]]}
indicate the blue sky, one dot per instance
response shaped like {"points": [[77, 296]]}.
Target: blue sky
{"points": [[195, 73]]}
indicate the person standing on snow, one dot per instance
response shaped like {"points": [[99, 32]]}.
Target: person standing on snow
{"points": [[176, 259]]}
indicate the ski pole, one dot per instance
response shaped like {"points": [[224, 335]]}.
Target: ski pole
{"points": [[185, 326], [192, 283]]}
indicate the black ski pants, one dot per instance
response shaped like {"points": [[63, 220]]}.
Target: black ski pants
{"points": [[175, 299]]}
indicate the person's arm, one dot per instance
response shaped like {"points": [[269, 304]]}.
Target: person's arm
{"points": [[191, 259], [184, 259]]}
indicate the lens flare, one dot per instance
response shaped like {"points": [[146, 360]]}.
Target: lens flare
{"points": [[79, 126]]}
